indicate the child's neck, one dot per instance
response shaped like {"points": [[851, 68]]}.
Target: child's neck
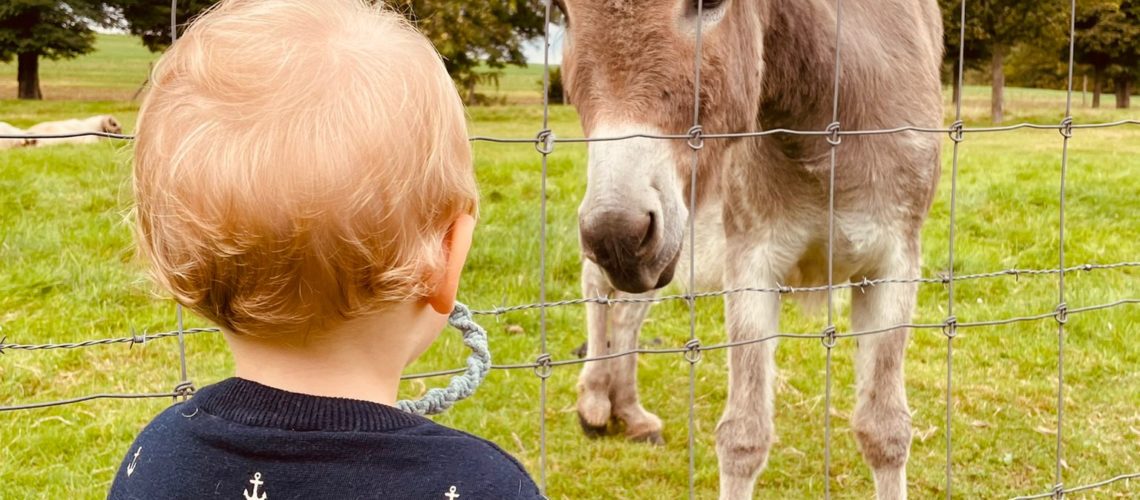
{"points": [[360, 359]]}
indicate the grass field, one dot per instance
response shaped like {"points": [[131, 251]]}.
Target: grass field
{"points": [[67, 273]]}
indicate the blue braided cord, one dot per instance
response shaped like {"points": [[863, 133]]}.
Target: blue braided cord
{"points": [[461, 386]]}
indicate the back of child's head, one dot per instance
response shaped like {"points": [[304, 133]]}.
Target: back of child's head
{"points": [[298, 163]]}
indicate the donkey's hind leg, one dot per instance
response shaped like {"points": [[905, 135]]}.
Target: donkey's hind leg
{"points": [[609, 387], [881, 420]]}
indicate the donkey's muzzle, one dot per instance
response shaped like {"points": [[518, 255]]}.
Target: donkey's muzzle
{"points": [[626, 243]]}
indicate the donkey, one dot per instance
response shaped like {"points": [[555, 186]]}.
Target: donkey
{"points": [[762, 202]]}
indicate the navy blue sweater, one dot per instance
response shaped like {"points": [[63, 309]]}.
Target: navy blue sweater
{"points": [[238, 439]]}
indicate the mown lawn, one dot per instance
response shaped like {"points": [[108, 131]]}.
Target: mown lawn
{"points": [[67, 273]]}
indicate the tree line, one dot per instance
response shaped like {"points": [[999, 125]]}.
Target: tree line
{"points": [[1029, 42], [1026, 41], [477, 38]]}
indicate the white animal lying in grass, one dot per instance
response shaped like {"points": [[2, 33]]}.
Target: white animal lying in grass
{"points": [[6, 129], [101, 123]]}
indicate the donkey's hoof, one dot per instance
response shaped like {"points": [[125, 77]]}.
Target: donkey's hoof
{"points": [[592, 431], [654, 438], [594, 412]]}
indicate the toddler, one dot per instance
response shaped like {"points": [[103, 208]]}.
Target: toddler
{"points": [[304, 180]]}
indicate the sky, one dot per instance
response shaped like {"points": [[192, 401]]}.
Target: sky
{"points": [[533, 49]]}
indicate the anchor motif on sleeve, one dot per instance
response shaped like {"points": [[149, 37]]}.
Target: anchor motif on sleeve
{"points": [[256, 481], [451, 494], [134, 462]]}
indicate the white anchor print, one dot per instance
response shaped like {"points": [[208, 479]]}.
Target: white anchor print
{"points": [[451, 494], [256, 481], [134, 462]]}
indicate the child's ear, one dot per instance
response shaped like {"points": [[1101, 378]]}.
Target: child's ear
{"points": [[456, 244]]}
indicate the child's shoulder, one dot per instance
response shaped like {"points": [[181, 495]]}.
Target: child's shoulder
{"points": [[226, 436], [465, 446], [483, 464]]}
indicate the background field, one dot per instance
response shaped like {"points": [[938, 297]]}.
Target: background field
{"points": [[67, 273]]}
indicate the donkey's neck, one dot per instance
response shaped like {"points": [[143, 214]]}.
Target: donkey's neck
{"points": [[799, 64]]}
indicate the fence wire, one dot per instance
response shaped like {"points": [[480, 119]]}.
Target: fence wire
{"points": [[544, 142], [544, 151], [546, 137], [695, 144], [951, 330], [140, 339]]}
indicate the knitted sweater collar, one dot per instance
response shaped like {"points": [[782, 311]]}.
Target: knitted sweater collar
{"points": [[250, 403]]}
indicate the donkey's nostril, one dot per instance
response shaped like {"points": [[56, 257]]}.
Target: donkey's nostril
{"points": [[650, 234], [620, 235]]}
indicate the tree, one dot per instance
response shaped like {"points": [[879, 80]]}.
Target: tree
{"points": [[1125, 59], [469, 34], [993, 27], [150, 20], [1129, 56], [975, 53], [31, 29], [1036, 65], [1108, 39]]}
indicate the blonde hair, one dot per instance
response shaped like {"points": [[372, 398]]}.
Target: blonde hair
{"points": [[298, 163]]}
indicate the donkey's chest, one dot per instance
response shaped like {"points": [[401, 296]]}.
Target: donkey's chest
{"points": [[859, 247]]}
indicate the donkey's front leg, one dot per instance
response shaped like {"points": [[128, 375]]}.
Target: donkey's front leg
{"points": [[745, 432], [882, 420], [609, 387]]}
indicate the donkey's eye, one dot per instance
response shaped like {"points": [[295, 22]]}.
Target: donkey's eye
{"points": [[708, 4]]}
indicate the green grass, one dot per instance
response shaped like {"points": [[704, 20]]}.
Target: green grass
{"points": [[516, 85], [67, 273]]}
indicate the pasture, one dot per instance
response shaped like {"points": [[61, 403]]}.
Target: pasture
{"points": [[68, 273]]}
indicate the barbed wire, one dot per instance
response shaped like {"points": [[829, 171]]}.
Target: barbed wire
{"points": [[1060, 491], [545, 361], [133, 339], [791, 290]]}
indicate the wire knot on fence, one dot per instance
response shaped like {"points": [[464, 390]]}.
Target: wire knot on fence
{"points": [[696, 140], [544, 142], [1059, 491], [693, 350], [833, 134], [1067, 127], [829, 337], [543, 366], [950, 327], [184, 390], [1062, 313], [957, 131]]}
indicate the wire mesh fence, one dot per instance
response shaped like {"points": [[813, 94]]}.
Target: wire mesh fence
{"points": [[543, 365]]}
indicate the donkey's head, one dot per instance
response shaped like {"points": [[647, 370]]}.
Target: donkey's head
{"points": [[628, 67]]}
